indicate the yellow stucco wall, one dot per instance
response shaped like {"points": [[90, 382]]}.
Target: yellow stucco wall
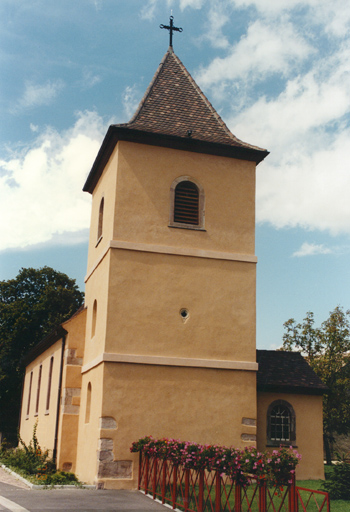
{"points": [[145, 175], [140, 290], [89, 431], [69, 404], [105, 188], [200, 405], [46, 419], [148, 290], [71, 392], [309, 430], [97, 289]]}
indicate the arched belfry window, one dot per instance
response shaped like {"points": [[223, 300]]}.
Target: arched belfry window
{"points": [[100, 220], [186, 204], [280, 423]]}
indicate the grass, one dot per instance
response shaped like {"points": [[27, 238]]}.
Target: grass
{"points": [[336, 505]]}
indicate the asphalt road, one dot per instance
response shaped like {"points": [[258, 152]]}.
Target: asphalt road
{"points": [[16, 497]]}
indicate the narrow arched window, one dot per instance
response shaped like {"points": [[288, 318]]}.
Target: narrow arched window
{"points": [[186, 204], [38, 390], [49, 386], [29, 392], [280, 423], [94, 319], [88, 403], [100, 219]]}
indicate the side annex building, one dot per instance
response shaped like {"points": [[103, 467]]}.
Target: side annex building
{"points": [[166, 342]]}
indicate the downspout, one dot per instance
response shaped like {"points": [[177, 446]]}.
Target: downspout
{"points": [[54, 454], [20, 411]]}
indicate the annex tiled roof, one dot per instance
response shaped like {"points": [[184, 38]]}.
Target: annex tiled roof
{"points": [[174, 105], [286, 372]]}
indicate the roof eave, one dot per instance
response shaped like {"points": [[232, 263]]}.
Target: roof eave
{"points": [[58, 333], [296, 390], [116, 133]]}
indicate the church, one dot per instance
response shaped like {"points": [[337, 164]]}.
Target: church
{"points": [[165, 344]]}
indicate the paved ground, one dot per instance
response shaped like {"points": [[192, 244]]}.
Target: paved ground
{"points": [[17, 497]]}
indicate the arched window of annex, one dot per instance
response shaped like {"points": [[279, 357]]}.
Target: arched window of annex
{"points": [[88, 403], [100, 221], [94, 319], [281, 424], [187, 204]]}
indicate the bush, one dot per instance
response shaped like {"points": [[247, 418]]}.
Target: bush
{"points": [[32, 461], [57, 478], [338, 483], [29, 458]]}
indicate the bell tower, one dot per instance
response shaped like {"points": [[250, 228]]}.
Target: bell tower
{"points": [[170, 289]]}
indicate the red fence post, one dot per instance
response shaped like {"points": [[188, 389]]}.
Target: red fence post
{"points": [[262, 497], [292, 496], [218, 481], [154, 483], [174, 486], [238, 498], [164, 480], [201, 491], [187, 488], [140, 468], [147, 473]]}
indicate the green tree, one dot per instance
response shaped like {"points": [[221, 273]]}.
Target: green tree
{"points": [[327, 350], [31, 306]]}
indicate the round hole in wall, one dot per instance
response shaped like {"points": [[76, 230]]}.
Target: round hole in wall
{"points": [[184, 313]]}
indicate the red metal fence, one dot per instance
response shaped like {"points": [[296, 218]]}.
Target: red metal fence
{"points": [[192, 490]]}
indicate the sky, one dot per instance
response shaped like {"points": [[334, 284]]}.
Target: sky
{"points": [[278, 73]]}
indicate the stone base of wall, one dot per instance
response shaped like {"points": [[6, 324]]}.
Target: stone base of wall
{"points": [[115, 469]]}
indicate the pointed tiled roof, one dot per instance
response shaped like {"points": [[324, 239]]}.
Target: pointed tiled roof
{"points": [[174, 105], [174, 113]]}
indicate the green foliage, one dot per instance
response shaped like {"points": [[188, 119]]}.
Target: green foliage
{"points": [[338, 482], [31, 460], [327, 350], [31, 306]]}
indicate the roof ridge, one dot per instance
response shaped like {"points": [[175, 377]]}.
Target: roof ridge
{"points": [[204, 98]]}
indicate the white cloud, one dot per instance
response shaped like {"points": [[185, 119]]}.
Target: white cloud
{"points": [[41, 187], [305, 181], [90, 79], [148, 11], [217, 18], [36, 95], [265, 49], [308, 249], [131, 100], [194, 4]]}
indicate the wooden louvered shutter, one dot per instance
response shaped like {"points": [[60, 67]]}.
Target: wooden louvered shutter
{"points": [[186, 204]]}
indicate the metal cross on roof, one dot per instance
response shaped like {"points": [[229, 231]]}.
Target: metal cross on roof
{"points": [[171, 29]]}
